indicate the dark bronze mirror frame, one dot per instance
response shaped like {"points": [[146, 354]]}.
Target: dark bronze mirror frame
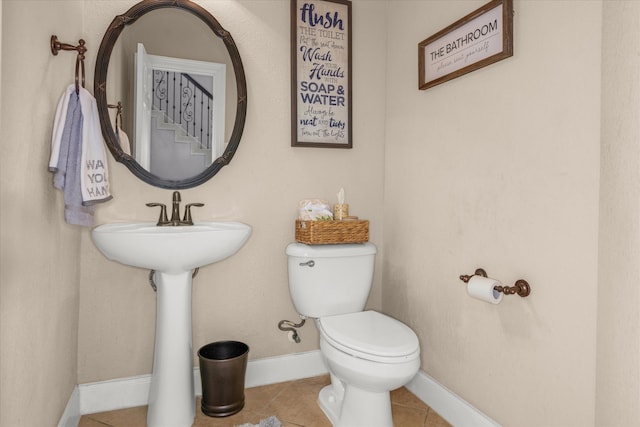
{"points": [[100, 90]]}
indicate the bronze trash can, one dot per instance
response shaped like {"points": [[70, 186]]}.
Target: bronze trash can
{"points": [[222, 369]]}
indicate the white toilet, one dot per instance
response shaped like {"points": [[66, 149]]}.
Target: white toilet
{"points": [[368, 354]]}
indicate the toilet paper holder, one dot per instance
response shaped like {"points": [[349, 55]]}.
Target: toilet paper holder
{"points": [[521, 287]]}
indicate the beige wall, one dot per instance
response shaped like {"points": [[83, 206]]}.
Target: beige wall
{"points": [[40, 254], [245, 296], [618, 369], [499, 169]]}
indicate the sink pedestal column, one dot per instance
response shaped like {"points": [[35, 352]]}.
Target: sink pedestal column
{"points": [[172, 400]]}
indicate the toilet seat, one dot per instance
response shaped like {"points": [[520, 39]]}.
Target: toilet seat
{"points": [[370, 335]]}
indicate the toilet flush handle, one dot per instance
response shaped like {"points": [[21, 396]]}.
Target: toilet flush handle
{"points": [[309, 263]]}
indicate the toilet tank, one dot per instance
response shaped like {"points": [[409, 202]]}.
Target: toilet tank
{"points": [[325, 280]]}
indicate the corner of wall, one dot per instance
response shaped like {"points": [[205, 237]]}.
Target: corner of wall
{"points": [[617, 391]]}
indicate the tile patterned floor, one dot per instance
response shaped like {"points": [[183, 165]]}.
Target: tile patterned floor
{"points": [[294, 403]]}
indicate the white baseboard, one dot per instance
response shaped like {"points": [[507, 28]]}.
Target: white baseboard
{"points": [[447, 404], [134, 391], [71, 415], [114, 394], [278, 369]]}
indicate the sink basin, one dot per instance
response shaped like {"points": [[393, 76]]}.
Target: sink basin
{"points": [[172, 252], [170, 249]]}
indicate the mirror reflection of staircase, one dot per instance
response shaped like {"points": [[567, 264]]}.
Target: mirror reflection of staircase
{"points": [[182, 111], [180, 116], [180, 135]]}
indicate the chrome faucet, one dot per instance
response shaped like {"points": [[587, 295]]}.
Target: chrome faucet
{"points": [[175, 212]]}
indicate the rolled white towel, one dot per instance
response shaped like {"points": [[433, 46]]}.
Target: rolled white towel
{"points": [[314, 210]]}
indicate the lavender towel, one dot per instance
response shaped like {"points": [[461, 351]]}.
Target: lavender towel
{"points": [[67, 173]]}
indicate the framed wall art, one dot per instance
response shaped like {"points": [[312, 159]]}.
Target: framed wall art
{"points": [[321, 104], [481, 38]]}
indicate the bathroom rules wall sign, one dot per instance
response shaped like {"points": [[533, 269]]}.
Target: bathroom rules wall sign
{"points": [[481, 38], [321, 73]]}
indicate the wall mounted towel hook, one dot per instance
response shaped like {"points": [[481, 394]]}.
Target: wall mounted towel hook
{"points": [[118, 108], [521, 287], [57, 46]]}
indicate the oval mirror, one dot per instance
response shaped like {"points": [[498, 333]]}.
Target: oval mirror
{"points": [[171, 93]]}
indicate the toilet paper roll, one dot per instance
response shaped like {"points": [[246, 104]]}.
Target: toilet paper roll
{"points": [[482, 288]]}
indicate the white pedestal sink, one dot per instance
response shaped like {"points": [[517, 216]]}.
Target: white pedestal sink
{"points": [[172, 252]]}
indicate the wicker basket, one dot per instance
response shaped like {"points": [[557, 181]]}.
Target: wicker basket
{"points": [[332, 232]]}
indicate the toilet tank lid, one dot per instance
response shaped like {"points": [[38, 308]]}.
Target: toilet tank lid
{"points": [[326, 251]]}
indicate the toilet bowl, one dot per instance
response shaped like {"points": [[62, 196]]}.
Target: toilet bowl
{"points": [[368, 354]]}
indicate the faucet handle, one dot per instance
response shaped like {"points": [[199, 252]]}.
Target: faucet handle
{"points": [[187, 213], [162, 220]]}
